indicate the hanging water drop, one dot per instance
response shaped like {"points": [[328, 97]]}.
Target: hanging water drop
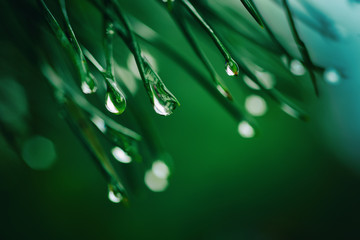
{"points": [[114, 195], [231, 67], [246, 130], [115, 101], [297, 68], [121, 155], [164, 102], [332, 76]]}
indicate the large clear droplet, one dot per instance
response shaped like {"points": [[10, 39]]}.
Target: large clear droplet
{"points": [[114, 100], [297, 68], [246, 130], [332, 76], [231, 68], [163, 100], [121, 155], [255, 105], [114, 195]]}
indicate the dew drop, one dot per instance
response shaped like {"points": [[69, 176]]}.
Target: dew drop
{"points": [[115, 101], [332, 76], [114, 195], [155, 183], [231, 68], [297, 68], [121, 155], [246, 130], [160, 169], [255, 105], [163, 100], [88, 86]]}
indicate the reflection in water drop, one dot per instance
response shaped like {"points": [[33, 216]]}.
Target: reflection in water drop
{"points": [[332, 76], [255, 105], [121, 155], [88, 86], [85, 88], [39, 153], [246, 130], [155, 183], [114, 195], [231, 68], [115, 101], [160, 169], [250, 83], [297, 68]]}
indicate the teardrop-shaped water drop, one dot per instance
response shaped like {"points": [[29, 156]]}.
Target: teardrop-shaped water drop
{"points": [[163, 100], [115, 101], [246, 130], [114, 196], [231, 67], [88, 87], [332, 76]]}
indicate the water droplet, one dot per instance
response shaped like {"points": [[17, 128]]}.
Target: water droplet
{"points": [[88, 86], [332, 76], [246, 130], [162, 99], [121, 155], [160, 169], [250, 83], [255, 105], [114, 195], [297, 68], [114, 100], [155, 183], [231, 68]]}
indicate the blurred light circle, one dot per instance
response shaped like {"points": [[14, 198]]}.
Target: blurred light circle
{"points": [[255, 105], [155, 183], [39, 153]]}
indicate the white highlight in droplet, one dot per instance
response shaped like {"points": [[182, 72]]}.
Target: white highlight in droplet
{"points": [[229, 71], [332, 76], [110, 105], [115, 198], [297, 68], [121, 155], [255, 105], [246, 130], [85, 88], [160, 169], [154, 183]]}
